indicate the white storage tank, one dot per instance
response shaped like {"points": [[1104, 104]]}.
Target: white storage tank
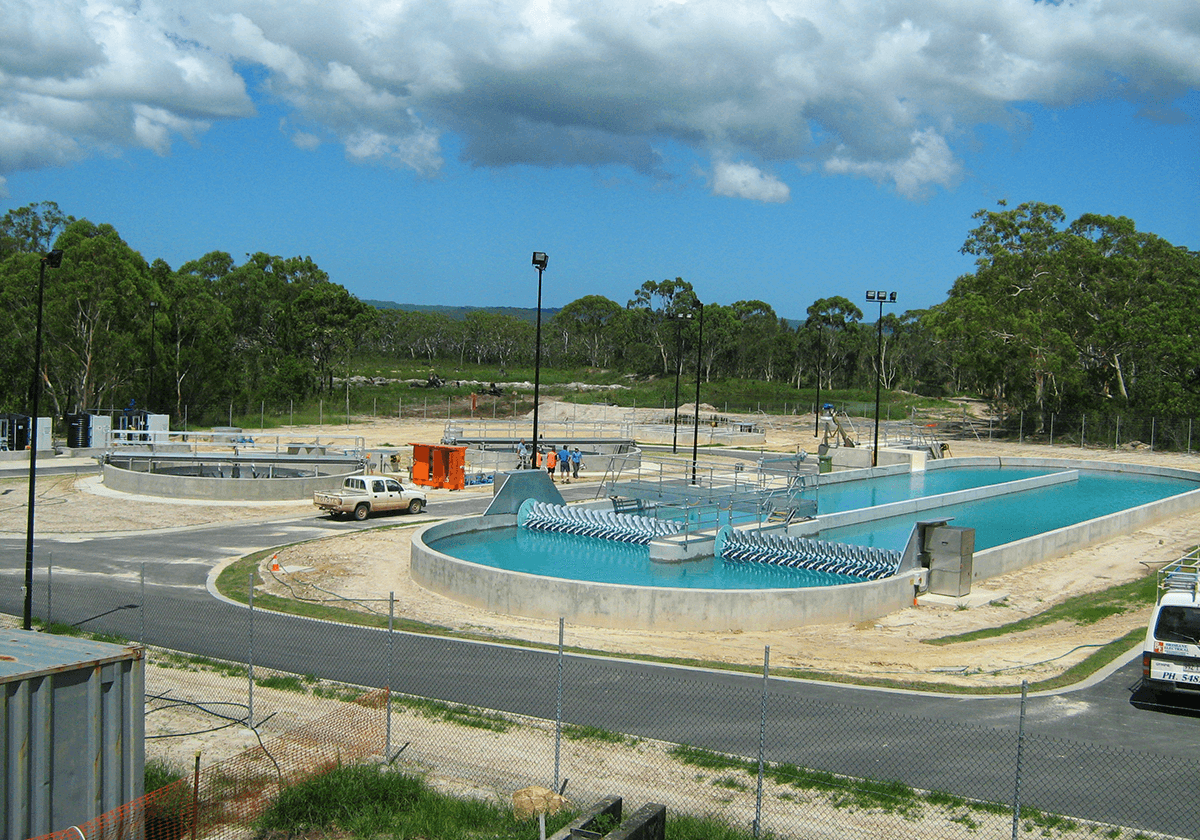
{"points": [[72, 730]]}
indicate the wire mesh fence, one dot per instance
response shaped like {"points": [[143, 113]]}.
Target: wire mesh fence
{"points": [[763, 754]]}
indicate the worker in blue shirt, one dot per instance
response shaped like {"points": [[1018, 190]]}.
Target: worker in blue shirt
{"points": [[564, 463]]}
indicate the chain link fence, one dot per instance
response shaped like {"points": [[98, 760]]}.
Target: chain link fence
{"points": [[763, 754]]}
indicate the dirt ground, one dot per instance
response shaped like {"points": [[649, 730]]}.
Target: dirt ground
{"points": [[368, 565]]}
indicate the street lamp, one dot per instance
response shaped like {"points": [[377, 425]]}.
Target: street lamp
{"points": [[54, 260], [696, 419], [153, 355], [881, 298], [679, 318], [539, 262]]}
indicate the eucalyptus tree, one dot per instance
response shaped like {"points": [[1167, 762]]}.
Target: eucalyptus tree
{"points": [[590, 329], [95, 314], [830, 329], [652, 311], [32, 229], [758, 333], [196, 338]]}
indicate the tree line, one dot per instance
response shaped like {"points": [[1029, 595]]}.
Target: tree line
{"points": [[1082, 316]]}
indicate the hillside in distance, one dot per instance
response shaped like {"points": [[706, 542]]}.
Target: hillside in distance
{"points": [[459, 312]]}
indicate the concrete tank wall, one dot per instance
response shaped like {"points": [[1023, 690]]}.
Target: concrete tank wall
{"points": [[641, 607], [219, 489]]}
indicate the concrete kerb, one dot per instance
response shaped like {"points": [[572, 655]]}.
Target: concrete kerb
{"points": [[1098, 676]]}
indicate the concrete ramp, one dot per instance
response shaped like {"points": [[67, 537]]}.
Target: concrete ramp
{"points": [[515, 486]]}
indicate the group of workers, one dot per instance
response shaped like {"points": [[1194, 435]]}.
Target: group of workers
{"points": [[567, 461]]}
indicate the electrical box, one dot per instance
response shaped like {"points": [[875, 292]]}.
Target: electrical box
{"points": [[43, 437], [950, 555]]}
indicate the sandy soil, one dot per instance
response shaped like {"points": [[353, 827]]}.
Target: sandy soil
{"points": [[369, 565]]}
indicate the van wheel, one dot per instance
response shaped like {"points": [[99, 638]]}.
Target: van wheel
{"points": [[415, 506], [362, 512]]}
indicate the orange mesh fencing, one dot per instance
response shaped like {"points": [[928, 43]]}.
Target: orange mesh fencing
{"points": [[234, 792]]}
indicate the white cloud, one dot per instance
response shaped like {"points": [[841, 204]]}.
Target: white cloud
{"points": [[741, 180], [878, 88], [930, 163], [305, 140]]}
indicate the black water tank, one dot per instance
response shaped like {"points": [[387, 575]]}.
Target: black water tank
{"points": [[79, 431]]}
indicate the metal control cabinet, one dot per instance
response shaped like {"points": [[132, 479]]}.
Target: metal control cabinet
{"points": [[950, 551], [72, 730]]}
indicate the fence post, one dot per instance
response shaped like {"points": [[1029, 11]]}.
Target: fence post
{"points": [[762, 741], [1020, 748], [558, 706], [1082, 430], [1152, 431], [250, 661], [1021, 433], [387, 746], [142, 611], [1051, 429], [1117, 439], [49, 590]]}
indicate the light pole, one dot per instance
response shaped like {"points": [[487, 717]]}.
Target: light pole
{"points": [[153, 355], [539, 262], [54, 260], [679, 318], [696, 419], [881, 298]]}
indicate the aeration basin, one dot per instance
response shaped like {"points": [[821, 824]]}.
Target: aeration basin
{"points": [[490, 564]]}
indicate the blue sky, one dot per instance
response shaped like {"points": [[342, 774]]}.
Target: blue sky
{"points": [[420, 151]]}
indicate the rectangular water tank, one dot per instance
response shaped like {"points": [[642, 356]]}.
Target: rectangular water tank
{"points": [[72, 730]]}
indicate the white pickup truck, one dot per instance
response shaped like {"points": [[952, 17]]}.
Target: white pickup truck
{"points": [[363, 495], [1171, 654]]}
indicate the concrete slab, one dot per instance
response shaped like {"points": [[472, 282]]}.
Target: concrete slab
{"points": [[975, 598]]}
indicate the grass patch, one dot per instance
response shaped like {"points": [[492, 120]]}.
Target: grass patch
{"points": [[368, 801], [283, 682], [1080, 610], [454, 713], [159, 773], [594, 733], [169, 800], [232, 582]]}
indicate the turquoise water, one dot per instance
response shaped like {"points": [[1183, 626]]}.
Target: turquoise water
{"points": [[996, 521], [855, 495], [1005, 519]]}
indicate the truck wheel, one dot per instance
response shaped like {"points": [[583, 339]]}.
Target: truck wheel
{"points": [[415, 506], [362, 512]]}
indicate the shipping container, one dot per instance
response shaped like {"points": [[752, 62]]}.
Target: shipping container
{"points": [[72, 730]]}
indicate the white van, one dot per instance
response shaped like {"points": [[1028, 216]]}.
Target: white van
{"points": [[1171, 654]]}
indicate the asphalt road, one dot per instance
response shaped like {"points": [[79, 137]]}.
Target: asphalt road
{"points": [[1103, 731]]}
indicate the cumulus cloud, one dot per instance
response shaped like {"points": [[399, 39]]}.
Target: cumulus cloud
{"points": [[883, 89], [741, 180]]}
